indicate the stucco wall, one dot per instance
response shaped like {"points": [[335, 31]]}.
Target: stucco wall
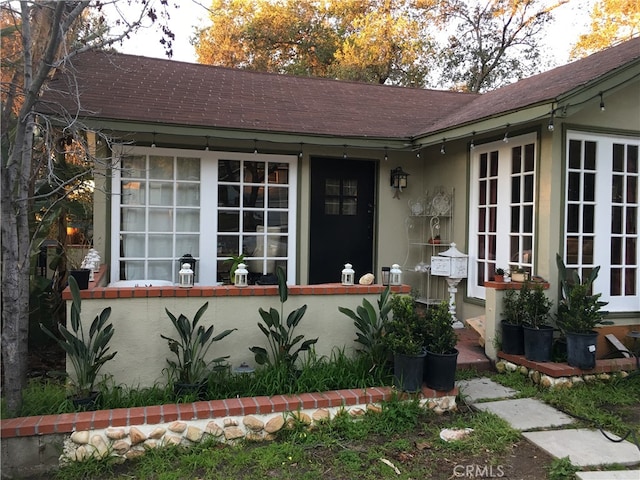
{"points": [[139, 322]]}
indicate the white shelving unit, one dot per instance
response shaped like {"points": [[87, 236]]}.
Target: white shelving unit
{"points": [[429, 231]]}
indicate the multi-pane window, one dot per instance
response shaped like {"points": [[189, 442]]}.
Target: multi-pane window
{"points": [[601, 216], [162, 211], [502, 210]]}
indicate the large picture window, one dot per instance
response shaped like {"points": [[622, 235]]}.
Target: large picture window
{"points": [[502, 209], [214, 206], [601, 215]]}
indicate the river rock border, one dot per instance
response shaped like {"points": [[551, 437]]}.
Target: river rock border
{"points": [[131, 442], [547, 381]]}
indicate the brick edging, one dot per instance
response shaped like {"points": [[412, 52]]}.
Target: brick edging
{"points": [[562, 369]]}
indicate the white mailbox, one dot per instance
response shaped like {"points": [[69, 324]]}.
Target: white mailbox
{"points": [[451, 263]]}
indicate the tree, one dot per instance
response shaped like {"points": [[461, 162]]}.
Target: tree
{"points": [[374, 41], [612, 21], [40, 37], [495, 42]]}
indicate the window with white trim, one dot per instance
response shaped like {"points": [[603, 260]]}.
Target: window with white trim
{"points": [[601, 215], [502, 209], [212, 205]]}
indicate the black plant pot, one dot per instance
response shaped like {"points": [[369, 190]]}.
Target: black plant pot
{"points": [[82, 277], [195, 390], [407, 371], [85, 402], [581, 350], [440, 370], [512, 338], [538, 343]]}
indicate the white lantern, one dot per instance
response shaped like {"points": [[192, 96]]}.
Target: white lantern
{"points": [[241, 275], [348, 274], [395, 275], [185, 276]]}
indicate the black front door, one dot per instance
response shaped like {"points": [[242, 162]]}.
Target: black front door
{"points": [[342, 216]]}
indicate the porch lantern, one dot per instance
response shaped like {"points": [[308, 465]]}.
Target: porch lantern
{"points": [[399, 179], [386, 272], [395, 275], [187, 258], [241, 275], [452, 264], [185, 276], [348, 274]]}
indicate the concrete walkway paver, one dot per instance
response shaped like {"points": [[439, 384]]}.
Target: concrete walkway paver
{"points": [[585, 447], [526, 413], [483, 389], [609, 475]]}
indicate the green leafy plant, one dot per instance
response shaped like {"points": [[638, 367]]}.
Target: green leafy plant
{"points": [[513, 307], [235, 261], [500, 271], [562, 469], [405, 332], [191, 348], [87, 354], [370, 326], [441, 337], [579, 310], [527, 306], [284, 346]]}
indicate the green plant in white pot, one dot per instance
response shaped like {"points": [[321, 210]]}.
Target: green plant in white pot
{"points": [[579, 313], [86, 351]]}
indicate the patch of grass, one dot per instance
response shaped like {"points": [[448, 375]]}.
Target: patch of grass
{"points": [[561, 469]]}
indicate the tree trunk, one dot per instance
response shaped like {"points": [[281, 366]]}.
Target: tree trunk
{"points": [[16, 241]]}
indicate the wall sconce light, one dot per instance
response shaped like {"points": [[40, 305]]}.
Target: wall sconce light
{"points": [[395, 275], [398, 180], [348, 274], [185, 276], [241, 275]]}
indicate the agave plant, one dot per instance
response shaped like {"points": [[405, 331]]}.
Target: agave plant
{"points": [[191, 348], [87, 354]]}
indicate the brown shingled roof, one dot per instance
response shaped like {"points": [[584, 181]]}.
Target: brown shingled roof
{"points": [[131, 88], [544, 87], [151, 90]]}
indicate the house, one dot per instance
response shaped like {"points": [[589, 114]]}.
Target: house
{"points": [[295, 172]]}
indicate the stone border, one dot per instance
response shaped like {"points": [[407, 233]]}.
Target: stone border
{"points": [[127, 443], [547, 381]]}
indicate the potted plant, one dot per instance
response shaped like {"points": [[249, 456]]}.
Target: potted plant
{"points": [[442, 356], [499, 275], [87, 353], [519, 274], [512, 323], [538, 334], [579, 313], [190, 371], [370, 327], [404, 336]]}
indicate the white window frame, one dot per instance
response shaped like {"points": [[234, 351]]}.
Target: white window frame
{"points": [[503, 205], [207, 260], [602, 221]]}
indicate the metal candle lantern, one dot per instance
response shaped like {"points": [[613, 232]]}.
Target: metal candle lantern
{"points": [[386, 272], [395, 275], [241, 275], [187, 258], [348, 274], [185, 276]]}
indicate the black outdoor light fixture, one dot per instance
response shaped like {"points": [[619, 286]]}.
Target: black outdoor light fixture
{"points": [[399, 178]]}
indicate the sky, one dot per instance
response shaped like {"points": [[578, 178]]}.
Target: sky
{"points": [[571, 20]]}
